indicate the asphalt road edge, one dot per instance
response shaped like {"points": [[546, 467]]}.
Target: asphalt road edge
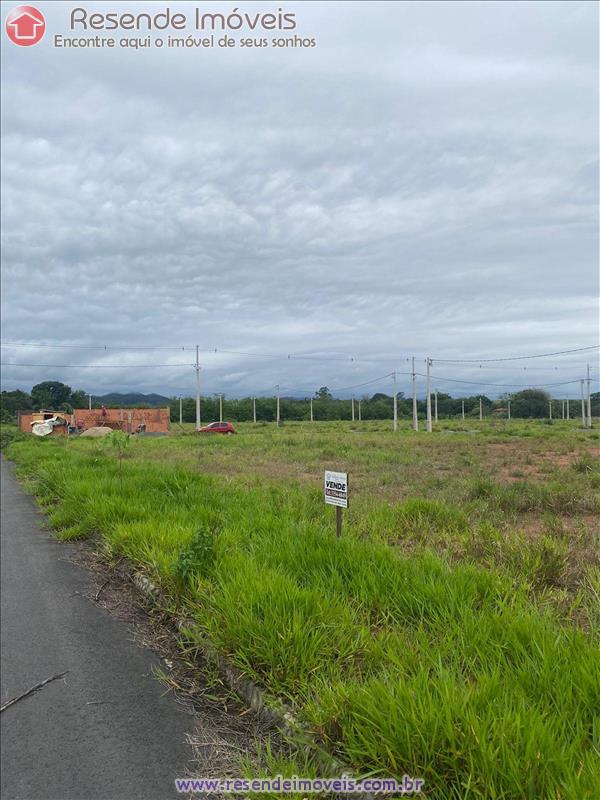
{"points": [[236, 680], [254, 696]]}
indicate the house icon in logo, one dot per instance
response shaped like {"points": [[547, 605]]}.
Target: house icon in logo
{"points": [[25, 25]]}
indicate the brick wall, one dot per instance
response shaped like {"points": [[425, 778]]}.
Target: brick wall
{"points": [[157, 420], [27, 417]]}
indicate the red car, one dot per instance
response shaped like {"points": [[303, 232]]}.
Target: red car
{"points": [[218, 427]]}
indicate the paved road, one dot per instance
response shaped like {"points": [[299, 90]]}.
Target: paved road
{"points": [[54, 746]]}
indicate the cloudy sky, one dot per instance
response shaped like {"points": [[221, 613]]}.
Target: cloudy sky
{"points": [[424, 181]]}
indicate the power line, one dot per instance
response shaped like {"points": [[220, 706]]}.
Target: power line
{"points": [[91, 346], [560, 368], [345, 388], [513, 358], [293, 356], [314, 356], [288, 356], [215, 350], [334, 389], [97, 366], [107, 347], [367, 383], [503, 385]]}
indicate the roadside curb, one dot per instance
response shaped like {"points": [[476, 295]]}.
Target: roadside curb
{"points": [[271, 708]]}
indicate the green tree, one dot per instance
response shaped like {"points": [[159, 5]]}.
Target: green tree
{"points": [[119, 442], [445, 404], [78, 399], [530, 403], [50, 394], [323, 394], [14, 401], [380, 406]]}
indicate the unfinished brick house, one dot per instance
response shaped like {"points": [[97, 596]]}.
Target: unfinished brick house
{"points": [[155, 420], [26, 420]]}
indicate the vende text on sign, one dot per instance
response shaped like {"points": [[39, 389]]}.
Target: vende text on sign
{"points": [[336, 488]]}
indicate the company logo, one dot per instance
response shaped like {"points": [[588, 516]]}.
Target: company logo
{"points": [[25, 25]]}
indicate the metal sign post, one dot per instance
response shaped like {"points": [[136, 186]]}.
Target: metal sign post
{"points": [[336, 494]]}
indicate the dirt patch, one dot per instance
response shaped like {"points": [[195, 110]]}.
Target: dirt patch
{"points": [[510, 462], [562, 460], [515, 473], [582, 527]]}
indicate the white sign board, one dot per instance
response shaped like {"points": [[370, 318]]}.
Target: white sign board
{"points": [[336, 488]]}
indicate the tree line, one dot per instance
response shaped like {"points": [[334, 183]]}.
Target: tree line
{"points": [[527, 404], [52, 395]]}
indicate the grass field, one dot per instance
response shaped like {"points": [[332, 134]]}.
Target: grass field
{"points": [[451, 634]]}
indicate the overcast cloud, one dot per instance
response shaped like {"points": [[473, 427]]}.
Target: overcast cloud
{"points": [[423, 181]]}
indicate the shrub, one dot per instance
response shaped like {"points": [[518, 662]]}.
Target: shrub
{"points": [[587, 465], [8, 435], [198, 557]]}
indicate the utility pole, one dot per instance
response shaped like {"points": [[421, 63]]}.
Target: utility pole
{"points": [[509, 407], [435, 403], [180, 410], [568, 410], [583, 420], [480, 409], [359, 416], [220, 408], [462, 408], [352, 408], [312, 419], [277, 389], [197, 368], [550, 410], [395, 403], [415, 419], [589, 398], [90, 402], [429, 425], [254, 409]]}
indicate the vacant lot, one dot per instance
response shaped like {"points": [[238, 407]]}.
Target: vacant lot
{"points": [[523, 494], [450, 634]]}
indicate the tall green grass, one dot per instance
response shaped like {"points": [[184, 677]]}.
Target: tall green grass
{"points": [[400, 664]]}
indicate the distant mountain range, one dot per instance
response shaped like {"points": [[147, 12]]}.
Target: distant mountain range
{"points": [[133, 399]]}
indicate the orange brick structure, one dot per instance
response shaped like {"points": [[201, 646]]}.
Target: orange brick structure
{"points": [[156, 420], [27, 417]]}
